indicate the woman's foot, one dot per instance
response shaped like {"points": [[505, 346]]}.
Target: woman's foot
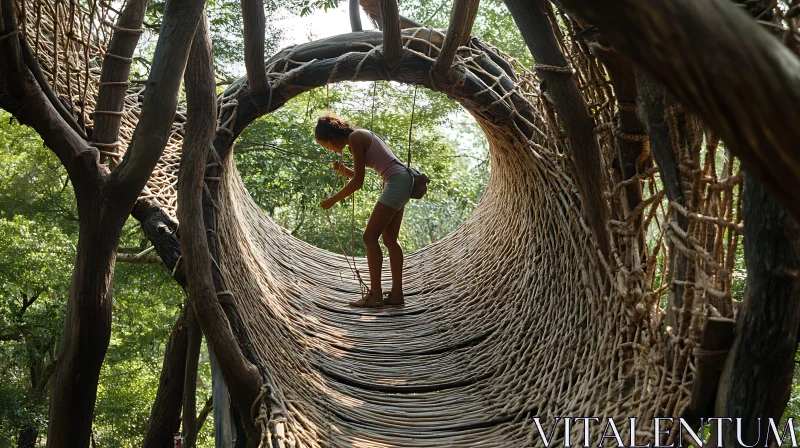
{"points": [[370, 300], [394, 298]]}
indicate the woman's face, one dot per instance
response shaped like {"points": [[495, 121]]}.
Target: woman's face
{"points": [[331, 145]]}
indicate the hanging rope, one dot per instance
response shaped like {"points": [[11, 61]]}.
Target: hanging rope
{"points": [[374, 94], [350, 263], [411, 126]]}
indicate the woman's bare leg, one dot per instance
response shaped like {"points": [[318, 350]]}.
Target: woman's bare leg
{"points": [[380, 218], [395, 257]]}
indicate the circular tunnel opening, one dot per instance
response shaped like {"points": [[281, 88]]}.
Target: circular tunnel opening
{"points": [[287, 173]]}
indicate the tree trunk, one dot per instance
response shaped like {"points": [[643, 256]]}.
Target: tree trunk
{"points": [[222, 407], [630, 137], [532, 19], [87, 327], [254, 22], [104, 203], [355, 16], [28, 437], [390, 21], [242, 377], [195, 339], [165, 415], [651, 107], [757, 377], [462, 17]]}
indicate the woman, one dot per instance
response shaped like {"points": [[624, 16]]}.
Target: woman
{"points": [[334, 133]]}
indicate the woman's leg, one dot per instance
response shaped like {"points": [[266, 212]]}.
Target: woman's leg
{"points": [[395, 256], [380, 218]]}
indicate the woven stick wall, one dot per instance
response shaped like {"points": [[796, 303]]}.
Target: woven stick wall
{"points": [[514, 315]]}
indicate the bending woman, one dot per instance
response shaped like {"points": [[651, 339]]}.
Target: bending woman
{"points": [[369, 151]]}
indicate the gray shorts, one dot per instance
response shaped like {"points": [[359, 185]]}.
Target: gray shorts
{"points": [[397, 190]]}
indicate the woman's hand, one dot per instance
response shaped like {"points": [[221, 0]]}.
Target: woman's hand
{"points": [[327, 203], [337, 165]]}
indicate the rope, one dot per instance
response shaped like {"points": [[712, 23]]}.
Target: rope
{"points": [[7, 35], [353, 268], [120, 29], [411, 126], [569, 70], [109, 112], [114, 83], [116, 56]]}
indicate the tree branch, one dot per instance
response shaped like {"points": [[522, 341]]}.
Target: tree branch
{"points": [[160, 103], [390, 20], [116, 70], [165, 414], [241, 376], [142, 259], [373, 10], [462, 17], [195, 338], [36, 70], [203, 415], [254, 23], [25, 100], [355, 16], [533, 20]]}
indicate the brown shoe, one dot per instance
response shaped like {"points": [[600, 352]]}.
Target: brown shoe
{"points": [[394, 299], [370, 300]]}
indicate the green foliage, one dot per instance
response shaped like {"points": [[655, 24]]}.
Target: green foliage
{"points": [[35, 266], [38, 237]]}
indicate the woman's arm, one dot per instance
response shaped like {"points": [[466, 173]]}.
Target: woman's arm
{"points": [[358, 143]]}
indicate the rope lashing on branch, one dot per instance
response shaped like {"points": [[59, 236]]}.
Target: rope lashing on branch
{"points": [[568, 70], [7, 35]]}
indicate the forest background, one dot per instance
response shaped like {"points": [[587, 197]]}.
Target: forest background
{"points": [[286, 173]]}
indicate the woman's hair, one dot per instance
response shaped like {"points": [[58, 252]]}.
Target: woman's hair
{"points": [[331, 124]]}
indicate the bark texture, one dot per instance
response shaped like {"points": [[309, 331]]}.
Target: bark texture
{"points": [[114, 77], [195, 339], [254, 23], [390, 21], [462, 17], [757, 377], [165, 415], [104, 201], [355, 16], [651, 109]]}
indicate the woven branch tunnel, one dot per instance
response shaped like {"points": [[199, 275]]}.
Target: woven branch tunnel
{"points": [[509, 317]]}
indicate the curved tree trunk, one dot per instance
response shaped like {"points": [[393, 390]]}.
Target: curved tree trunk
{"points": [[241, 376], [757, 377], [532, 19]]}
